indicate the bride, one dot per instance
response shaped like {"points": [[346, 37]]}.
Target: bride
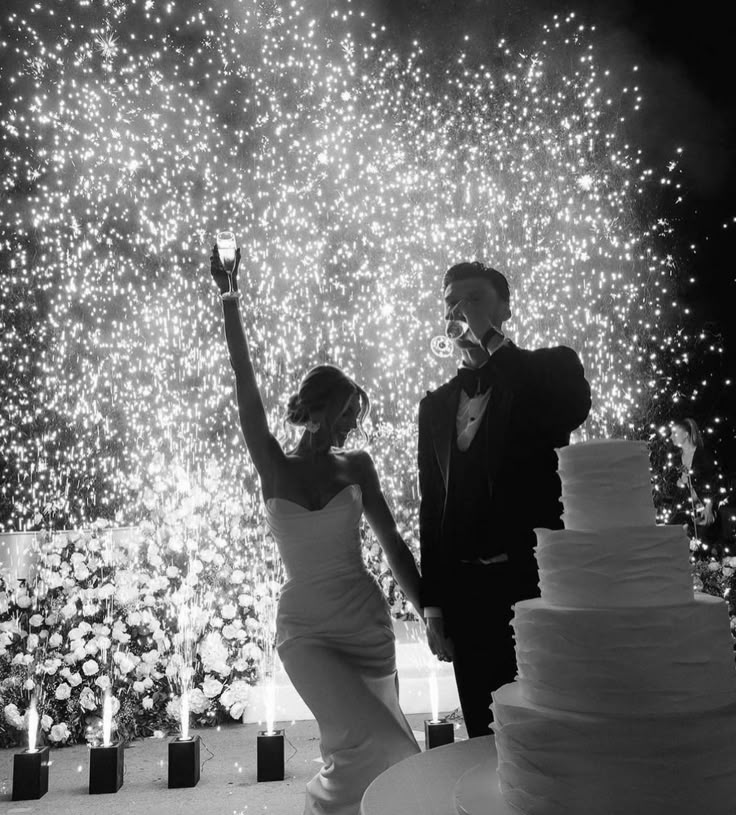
{"points": [[334, 631]]}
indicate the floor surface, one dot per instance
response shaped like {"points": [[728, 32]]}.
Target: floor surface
{"points": [[227, 786]]}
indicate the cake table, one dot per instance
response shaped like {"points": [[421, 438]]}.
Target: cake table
{"points": [[456, 779]]}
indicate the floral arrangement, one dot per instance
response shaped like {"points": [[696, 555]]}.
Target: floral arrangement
{"points": [[142, 613], [717, 576], [184, 600]]}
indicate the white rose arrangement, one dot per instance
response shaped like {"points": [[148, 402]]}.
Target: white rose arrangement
{"points": [[104, 618]]}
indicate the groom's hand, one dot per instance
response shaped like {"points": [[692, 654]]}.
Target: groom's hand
{"points": [[439, 643], [479, 323]]}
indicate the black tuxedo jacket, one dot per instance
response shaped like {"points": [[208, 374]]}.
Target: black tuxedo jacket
{"points": [[538, 398]]}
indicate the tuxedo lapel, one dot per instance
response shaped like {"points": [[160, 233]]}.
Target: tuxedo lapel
{"points": [[444, 416]]}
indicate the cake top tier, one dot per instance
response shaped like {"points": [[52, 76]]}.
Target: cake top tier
{"points": [[606, 484]]}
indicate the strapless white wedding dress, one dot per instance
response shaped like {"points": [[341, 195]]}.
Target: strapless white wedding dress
{"points": [[336, 641]]}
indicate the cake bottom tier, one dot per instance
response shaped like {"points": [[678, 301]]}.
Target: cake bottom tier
{"points": [[553, 762]]}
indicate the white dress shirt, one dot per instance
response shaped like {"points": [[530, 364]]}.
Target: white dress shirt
{"points": [[470, 412]]}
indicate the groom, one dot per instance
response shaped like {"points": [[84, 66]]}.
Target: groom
{"points": [[488, 477]]}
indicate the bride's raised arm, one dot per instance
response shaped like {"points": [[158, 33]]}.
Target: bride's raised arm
{"points": [[263, 447]]}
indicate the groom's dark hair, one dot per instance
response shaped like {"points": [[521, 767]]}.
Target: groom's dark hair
{"points": [[468, 271]]}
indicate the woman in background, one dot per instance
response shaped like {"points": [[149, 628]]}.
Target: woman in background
{"points": [[698, 482]]}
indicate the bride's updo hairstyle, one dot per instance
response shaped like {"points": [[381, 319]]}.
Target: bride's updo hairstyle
{"points": [[325, 385]]}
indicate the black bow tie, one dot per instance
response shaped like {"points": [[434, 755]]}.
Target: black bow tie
{"points": [[475, 381]]}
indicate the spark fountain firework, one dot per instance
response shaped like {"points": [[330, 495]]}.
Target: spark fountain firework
{"points": [[107, 762], [184, 752], [269, 693], [107, 721], [438, 731], [32, 726], [185, 714], [358, 177], [434, 696], [31, 767]]}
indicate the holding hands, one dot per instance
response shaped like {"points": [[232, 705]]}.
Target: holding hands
{"points": [[481, 329], [439, 643]]}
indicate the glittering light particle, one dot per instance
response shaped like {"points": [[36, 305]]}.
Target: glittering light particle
{"points": [[107, 44], [352, 176], [585, 182]]}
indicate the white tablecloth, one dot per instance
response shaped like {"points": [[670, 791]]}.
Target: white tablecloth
{"points": [[425, 784]]}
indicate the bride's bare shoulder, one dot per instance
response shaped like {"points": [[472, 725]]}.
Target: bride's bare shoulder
{"points": [[357, 457], [361, 466]]}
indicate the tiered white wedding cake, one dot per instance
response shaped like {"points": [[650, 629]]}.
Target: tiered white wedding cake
{"points": [[625, 702]]}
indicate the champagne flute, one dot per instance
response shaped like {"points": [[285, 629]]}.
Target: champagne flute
{"points": [[454, 329], [226, 246], [443, 345], [456, 326]]}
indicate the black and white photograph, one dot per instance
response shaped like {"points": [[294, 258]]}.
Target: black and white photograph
{"points": [[367, 407]]}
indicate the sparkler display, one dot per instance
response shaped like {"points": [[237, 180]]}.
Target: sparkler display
{"points": [[132, 133], [355, 177], [106, 762], [107, 721], [184, 757], [434, 701], [269, 742], [31, 767], [32, 727], [191, 616], [270, 755], [270, 703], [184, 751], [437, 731], [185, 715]]}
